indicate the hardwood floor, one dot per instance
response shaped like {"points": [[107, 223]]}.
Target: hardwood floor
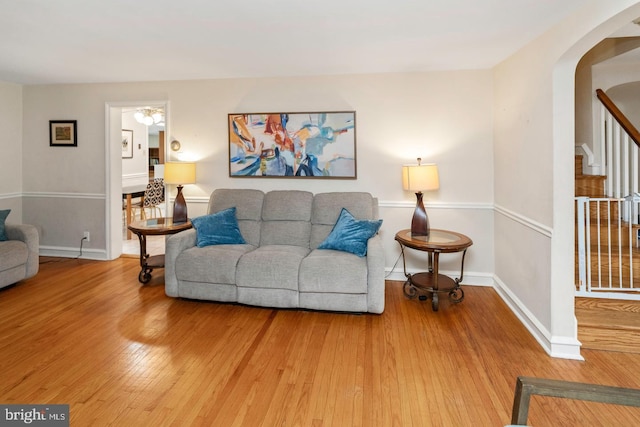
{"points": [[88, 334], [608, 324], [131, 247]]}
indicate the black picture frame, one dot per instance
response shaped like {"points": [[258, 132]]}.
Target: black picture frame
{"points": [[63, 133]]}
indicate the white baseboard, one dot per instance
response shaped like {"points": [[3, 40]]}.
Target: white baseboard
{"points": [[470, 278], [62, 252], [559, 347]]}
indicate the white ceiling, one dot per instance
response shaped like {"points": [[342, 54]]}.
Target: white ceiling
{"points": [[74, 41]]}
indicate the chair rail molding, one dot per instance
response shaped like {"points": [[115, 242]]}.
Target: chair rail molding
{"points": [[10, 195], [437, 205], [526, 221], [60, 195]]}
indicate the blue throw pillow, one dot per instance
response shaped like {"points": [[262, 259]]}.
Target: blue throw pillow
{"points": [[350, 234], [220, 228], [3, 216]]}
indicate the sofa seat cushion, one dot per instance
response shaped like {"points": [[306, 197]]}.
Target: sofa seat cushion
{"points": [[13, 253], [331, 271], [271, 266], [213, 264]]}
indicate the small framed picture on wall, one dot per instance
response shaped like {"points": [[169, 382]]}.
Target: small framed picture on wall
{"points": [[63, 133], [127, 144]]}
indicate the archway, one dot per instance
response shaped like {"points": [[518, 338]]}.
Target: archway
{"points": [[563, 321]]}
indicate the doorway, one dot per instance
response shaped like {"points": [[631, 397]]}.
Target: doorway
{"points": [[142, 162], [118, 175]]}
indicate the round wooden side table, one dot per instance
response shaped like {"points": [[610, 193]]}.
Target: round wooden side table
{"points": [[153, 227], [431, 282]]}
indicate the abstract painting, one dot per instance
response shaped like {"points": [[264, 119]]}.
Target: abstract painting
{"points": [[295, 145]]}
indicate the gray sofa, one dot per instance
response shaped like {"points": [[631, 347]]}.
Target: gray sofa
{"points": [[19, 255], [280, 265]]}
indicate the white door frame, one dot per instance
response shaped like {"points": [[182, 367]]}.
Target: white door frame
{"points": [[113, 168]]}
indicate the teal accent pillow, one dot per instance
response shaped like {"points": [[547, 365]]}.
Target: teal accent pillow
{"points": [[3, 216], [350, 234], [220, 228]]}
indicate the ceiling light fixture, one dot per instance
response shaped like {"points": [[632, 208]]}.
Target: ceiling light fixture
{"points": [[149, 116]]}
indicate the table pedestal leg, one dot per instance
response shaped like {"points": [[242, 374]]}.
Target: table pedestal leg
{"points": [[145, 272], [432, 283], [435, 266]]}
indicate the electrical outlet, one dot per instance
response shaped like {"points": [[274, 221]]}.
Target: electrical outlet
{"points": [[87, 236]]}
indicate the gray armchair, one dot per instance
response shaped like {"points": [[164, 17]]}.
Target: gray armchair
{"points": [[19, 255]]}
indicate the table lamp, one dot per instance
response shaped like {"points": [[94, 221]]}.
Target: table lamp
{"points": [[420, 178], [179, 173]]}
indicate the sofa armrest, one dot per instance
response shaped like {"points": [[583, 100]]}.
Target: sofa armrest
{"points": [[175, 244], [29, 235], [375, 275]]}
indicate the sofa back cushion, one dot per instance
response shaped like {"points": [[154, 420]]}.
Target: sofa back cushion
{"points": [[286, 218], [327, 208], [248, 204]]}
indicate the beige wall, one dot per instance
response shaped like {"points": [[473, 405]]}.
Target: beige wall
{"points": [[11, 149], [627, 98], [534, 138], [443, 117]]}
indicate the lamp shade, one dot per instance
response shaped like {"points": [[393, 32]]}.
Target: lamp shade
{"points": [[420, 177], [180, 173]]}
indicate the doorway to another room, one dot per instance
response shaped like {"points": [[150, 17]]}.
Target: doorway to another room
{"points": [[143, 157]]}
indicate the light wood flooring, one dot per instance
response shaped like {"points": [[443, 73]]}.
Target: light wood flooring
{"points": [[131, 247], [607, 324], [88, 334]]}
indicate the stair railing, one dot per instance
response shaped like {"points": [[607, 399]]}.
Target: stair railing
{"points": [[607, 228], [619, 142]]}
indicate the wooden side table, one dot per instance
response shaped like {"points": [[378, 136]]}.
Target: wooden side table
{"points": [[153, 227], [431, 283]]}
